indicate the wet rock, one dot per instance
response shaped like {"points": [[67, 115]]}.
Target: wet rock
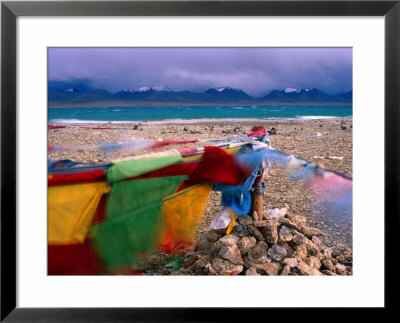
{"points": [[245, 244], [240, 230], [225, 267], [313, 262], [252, 272], [231, 253], [307, 270], [285, 234], [259, 254], [271, 269], [328, 265], [270, 232], [291, 262], [245, 220], [301, 252], [255, 232], [277, 252]]}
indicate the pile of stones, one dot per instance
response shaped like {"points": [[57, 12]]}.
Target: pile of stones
{"points": [[280, 244]]}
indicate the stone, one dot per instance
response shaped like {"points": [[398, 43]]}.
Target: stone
{"points": [[309, 232], [301, 252], [277, 252], [245, 220], [299, 220], [225, 267], [328, 265], [313, 262], [285, 234], [348, 256], [288, 248], [187, 262], [289, 224], [227, 240], [204, 246], [271, 269], [299, 239], [317, 241], [240, 230], [326, 253], [307, 270], [245, 244], [275, 213], [212, 236], [255, 232], [199, 267], [340, 269], [291, 262], [341, 258], [252, 272], [328, 272], [285, 271], [270, 232], [231, 253], [259, 254]]}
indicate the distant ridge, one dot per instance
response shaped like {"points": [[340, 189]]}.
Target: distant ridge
{"points": [[72, 96]]}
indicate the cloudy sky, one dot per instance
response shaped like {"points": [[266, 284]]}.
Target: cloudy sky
{"points": [[257, 71]]}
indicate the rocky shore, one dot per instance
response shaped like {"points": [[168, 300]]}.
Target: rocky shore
{"points": [[305, 240]]}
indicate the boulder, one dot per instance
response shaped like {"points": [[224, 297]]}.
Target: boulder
{"points": [[285, 234], [291, 262], [299, 220], [317, 241], [259, 254], [309, 232], [187, 262], [245, 244], [270, 232], [341, 258], [307, 270], [255, 232], [328, 272], [271, 269], [225, 267], [231, 253], [277, 252]]}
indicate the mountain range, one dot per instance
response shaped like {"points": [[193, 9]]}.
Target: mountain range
{"points": [[162, 95]]}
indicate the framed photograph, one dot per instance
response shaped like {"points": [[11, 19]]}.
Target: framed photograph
{"points": [[196, 105]]}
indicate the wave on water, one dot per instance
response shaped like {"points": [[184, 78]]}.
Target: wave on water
{"points": [[238, 108], [76, 121], [315, 117], [116, 110]]}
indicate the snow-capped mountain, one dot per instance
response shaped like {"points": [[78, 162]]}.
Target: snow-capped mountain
{"points": [[294, 95], [158, 88]]}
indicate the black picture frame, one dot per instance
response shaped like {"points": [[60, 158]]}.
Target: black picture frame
{"points": [[10, 10]]}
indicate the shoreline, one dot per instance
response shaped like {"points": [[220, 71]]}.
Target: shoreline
{"points": [[202, 121]]}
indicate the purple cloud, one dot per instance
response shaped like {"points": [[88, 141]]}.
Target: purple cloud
{"points": [[255, 70]]}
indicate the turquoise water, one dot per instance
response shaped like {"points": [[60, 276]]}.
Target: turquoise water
{"points": [[134, 114]]}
